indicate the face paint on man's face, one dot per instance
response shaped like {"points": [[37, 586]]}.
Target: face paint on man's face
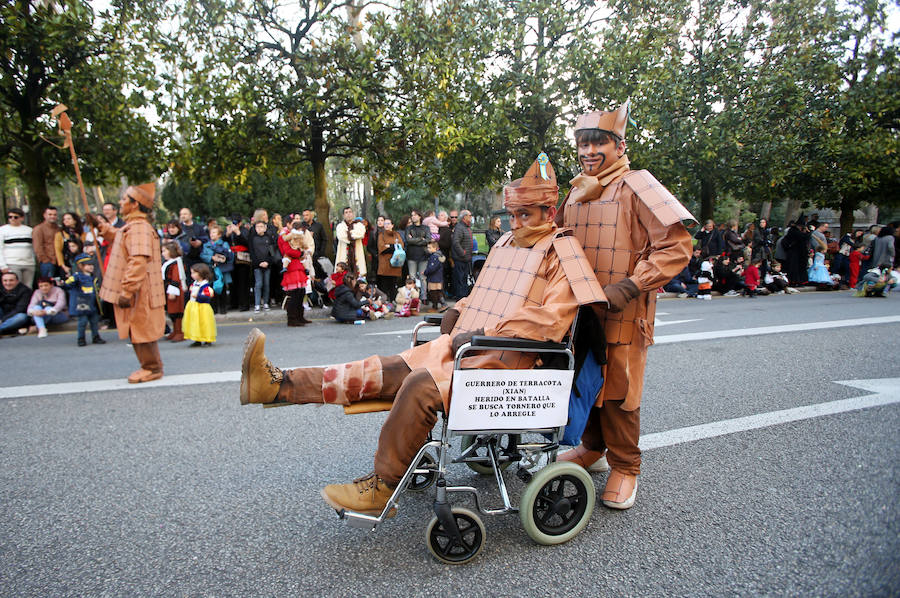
{"points": [[594, 156]]}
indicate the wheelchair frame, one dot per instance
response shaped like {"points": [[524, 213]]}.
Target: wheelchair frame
{"points": [[556, 504]]}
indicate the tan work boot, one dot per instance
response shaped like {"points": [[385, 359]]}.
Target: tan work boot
{"points": [[620, 491], [260, 380], [367, 495], [594, 461]]}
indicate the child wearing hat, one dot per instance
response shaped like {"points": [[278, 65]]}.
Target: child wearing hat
{"points": [[85, 298]]}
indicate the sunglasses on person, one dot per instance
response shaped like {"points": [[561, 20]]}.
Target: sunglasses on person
{"points": [[16, 216]]}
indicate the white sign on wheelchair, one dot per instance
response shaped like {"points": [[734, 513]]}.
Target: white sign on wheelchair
{"points": [[509, 399]]}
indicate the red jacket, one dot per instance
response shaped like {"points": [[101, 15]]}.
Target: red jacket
{"points": [[751, 277], [295, 275]]}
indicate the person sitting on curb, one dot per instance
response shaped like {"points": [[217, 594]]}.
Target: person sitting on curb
{"points": [[416, 383], [347, 308], [48, 306], [14, 297]]}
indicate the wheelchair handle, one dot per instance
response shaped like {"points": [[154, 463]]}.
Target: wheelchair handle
{"points": [[521, 344]]}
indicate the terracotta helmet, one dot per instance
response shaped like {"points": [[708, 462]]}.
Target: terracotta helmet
{"points": [[537, 188], [143, 194], [613, 121]]}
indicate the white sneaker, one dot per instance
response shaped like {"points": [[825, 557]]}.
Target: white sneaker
{"points": [[682, 295], [42, 333], [266, 307], [731, 294], [256, 309]]}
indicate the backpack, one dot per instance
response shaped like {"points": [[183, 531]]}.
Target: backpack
{"points": [[218, 281], [398, 257]]}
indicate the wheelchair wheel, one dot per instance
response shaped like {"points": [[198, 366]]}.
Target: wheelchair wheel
{"points": [[423, 481], [506, 440], [448, 550], [557, 503]]}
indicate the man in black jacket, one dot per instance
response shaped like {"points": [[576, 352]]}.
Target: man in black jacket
{"points": [[14, 298], [461, 252], [316, 230]]}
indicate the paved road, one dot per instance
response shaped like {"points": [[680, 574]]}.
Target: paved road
{"points": [[177, 490]]}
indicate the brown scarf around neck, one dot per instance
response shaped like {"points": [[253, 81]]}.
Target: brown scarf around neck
{"points": [[586, 187]]}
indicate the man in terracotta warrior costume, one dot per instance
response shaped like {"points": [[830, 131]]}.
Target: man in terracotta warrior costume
{"points": [[552, 278], [631, 230], [133, 280]]}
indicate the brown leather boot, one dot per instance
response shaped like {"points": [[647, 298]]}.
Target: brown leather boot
{"points": [[151, 363], [260, 380], [177, 335], [591, 460]]}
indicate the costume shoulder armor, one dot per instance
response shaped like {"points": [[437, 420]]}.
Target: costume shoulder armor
{"points": [[504, 239], [577, 268], [663, 204]]}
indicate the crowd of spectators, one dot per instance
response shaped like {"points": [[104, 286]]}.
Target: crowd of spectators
{"points": [[762, 259], [261, 263], [383, 269]]}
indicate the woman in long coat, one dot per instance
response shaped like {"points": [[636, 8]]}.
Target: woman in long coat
{"points": [[796, 249], [388, 274]]}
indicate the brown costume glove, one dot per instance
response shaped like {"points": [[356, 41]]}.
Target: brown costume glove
{"points": [[123, 301], [620, 294], [462, 338], [449, 320]]}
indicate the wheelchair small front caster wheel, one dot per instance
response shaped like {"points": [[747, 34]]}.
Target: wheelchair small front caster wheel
{"points": [[425, 475], [557, 503], [504, 443], [448, 549]]}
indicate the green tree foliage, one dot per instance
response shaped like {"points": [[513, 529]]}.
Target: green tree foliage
{"points": [[273, 87], [276, 194], [837, 107], [686, 67], [99, 66], [756, 101]]}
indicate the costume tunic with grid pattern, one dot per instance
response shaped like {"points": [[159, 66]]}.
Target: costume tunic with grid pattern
{"points": [[631, 227], [135, 270], [522, 292]]}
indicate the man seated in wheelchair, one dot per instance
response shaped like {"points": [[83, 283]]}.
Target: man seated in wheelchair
{"points": [[531, 286]]}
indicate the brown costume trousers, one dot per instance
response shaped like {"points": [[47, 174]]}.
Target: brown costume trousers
{"points": [[148, 356], [416, 403], [617, 431]]}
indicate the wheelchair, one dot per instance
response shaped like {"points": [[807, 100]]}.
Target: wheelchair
{"points": [[558, 498]]}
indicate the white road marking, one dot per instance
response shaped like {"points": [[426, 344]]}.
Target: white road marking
{"points": [[887, 392], [234, 376], [714, 334], [659, 323], [36, 390]]}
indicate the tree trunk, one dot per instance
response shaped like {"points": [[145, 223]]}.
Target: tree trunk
{"points": [[847, 207], [320, 185], [792, 211], [707, 198], [34, 175]]}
